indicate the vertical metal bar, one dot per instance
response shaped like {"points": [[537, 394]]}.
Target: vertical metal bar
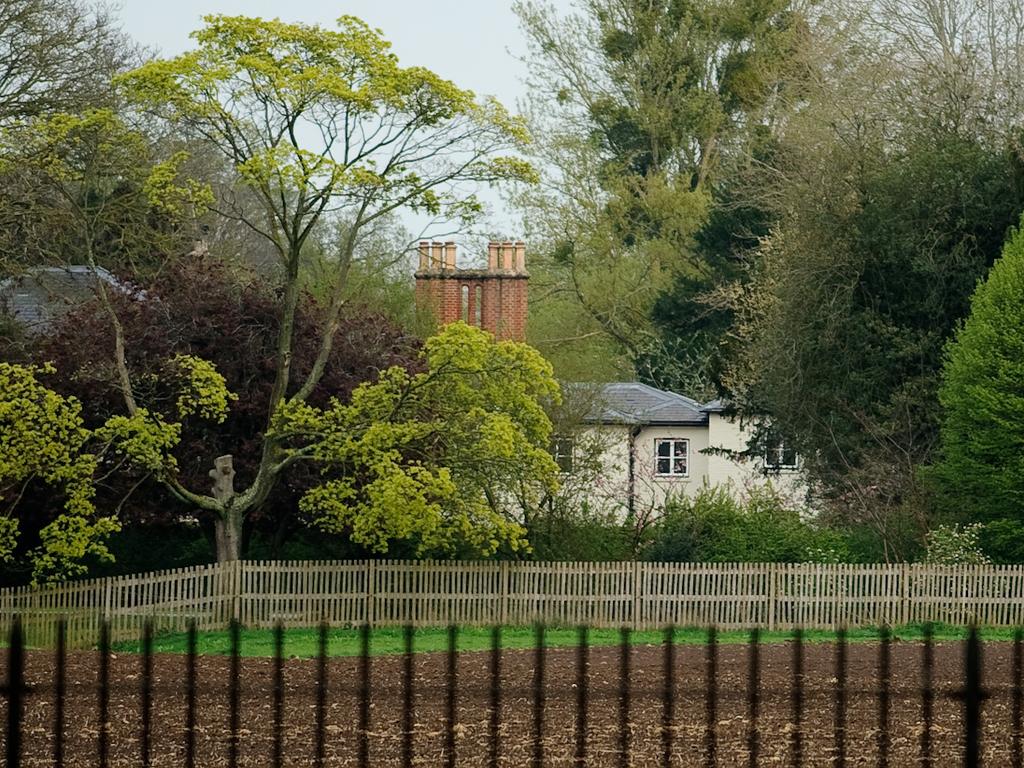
{"points": [[451, 678], [495, 714], [234, 694], [278, 755], [927, 695], [15, 693], [146, 692], [884, 680], [711, 700], [668, 704], [103, 740], [582, 695], [753, 697], [625, 657], [972, 700], [408, 717], [1018, 696], [538, 697], [364, 696], [190, 695], [839, 718], [59, 692], [321, 695], [796, 754]]}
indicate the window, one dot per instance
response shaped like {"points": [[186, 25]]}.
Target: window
{"points": [[465, 303], [779, 456], [562, 451], [672, 457], [478, 307]]}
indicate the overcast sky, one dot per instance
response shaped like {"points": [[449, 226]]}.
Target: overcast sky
{"points": [[474, 43]]}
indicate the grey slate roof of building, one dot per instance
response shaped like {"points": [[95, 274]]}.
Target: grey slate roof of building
{"points": [[633, 403], [41, 295]]}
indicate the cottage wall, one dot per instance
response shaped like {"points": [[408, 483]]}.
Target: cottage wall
{"points": [[707, 468]]}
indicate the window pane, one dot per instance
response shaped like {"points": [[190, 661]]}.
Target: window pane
{"points": [[562, 451], [679, 466], [680, 447], [664, 466], [664, 447]]}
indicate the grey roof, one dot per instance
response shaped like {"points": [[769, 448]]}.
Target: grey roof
{"points": [[41, 295], [633, 403]]}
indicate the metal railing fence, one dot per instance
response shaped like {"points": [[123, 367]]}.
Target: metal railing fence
{"points": [[527, 741]]}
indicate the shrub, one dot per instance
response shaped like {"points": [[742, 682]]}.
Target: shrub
{"points": [[714, 526], [1003, 541], [581, 535], [955, 545]]}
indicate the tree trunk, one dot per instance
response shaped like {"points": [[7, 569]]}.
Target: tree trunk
{"points": [[228, 525], [228, 532]]}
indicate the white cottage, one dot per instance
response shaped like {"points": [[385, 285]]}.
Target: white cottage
{"points": [[638, 445]]}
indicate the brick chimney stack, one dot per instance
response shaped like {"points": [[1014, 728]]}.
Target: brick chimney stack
{"points": [[493, 298]]}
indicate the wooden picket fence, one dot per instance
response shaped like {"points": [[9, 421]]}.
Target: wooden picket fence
{"points": [[430, 593]]}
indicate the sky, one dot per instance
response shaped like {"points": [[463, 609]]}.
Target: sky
{"points": [[474, 43]]}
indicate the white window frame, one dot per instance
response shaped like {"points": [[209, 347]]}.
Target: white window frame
{"points": [[560, 441], [672, 457], [779, 450]]}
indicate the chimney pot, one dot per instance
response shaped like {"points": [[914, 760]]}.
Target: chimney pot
{"points": [[449, 252], [424, 255], [492, 255], [520, 256], [437, 255], [508, 253]]}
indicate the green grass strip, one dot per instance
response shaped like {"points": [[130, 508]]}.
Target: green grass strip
{"points": [[302, 643]]}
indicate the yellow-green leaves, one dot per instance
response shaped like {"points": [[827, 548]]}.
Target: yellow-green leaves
{"points": [[41, 435], [144, 439], [104, 183], [202, 391], [42, 438], [168, 192], [444, 459], [317, 119]]}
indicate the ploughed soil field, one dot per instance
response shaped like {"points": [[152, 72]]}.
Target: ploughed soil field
{"points": [[516, 729]]}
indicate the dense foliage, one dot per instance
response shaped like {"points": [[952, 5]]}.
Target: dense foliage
{"points": [[640, 109], [448, 457], [224, 316], [981, 472], [715, 526], [783, 205], [42, 436]]}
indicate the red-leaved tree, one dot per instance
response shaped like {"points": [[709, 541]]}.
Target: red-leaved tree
{"points": [[228, 315]]}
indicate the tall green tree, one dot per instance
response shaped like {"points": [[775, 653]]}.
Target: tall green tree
{"points": [[638, 107], [981, 470], [891, 189], [317, 121]]}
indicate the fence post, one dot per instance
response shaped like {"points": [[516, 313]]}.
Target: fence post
{"points": [[904, 594], [236, 590], [772, 568], [371, 577], [636, 595], [503, 605]]}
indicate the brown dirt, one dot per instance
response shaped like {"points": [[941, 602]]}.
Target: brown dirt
{"points": [[776, 728]]}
